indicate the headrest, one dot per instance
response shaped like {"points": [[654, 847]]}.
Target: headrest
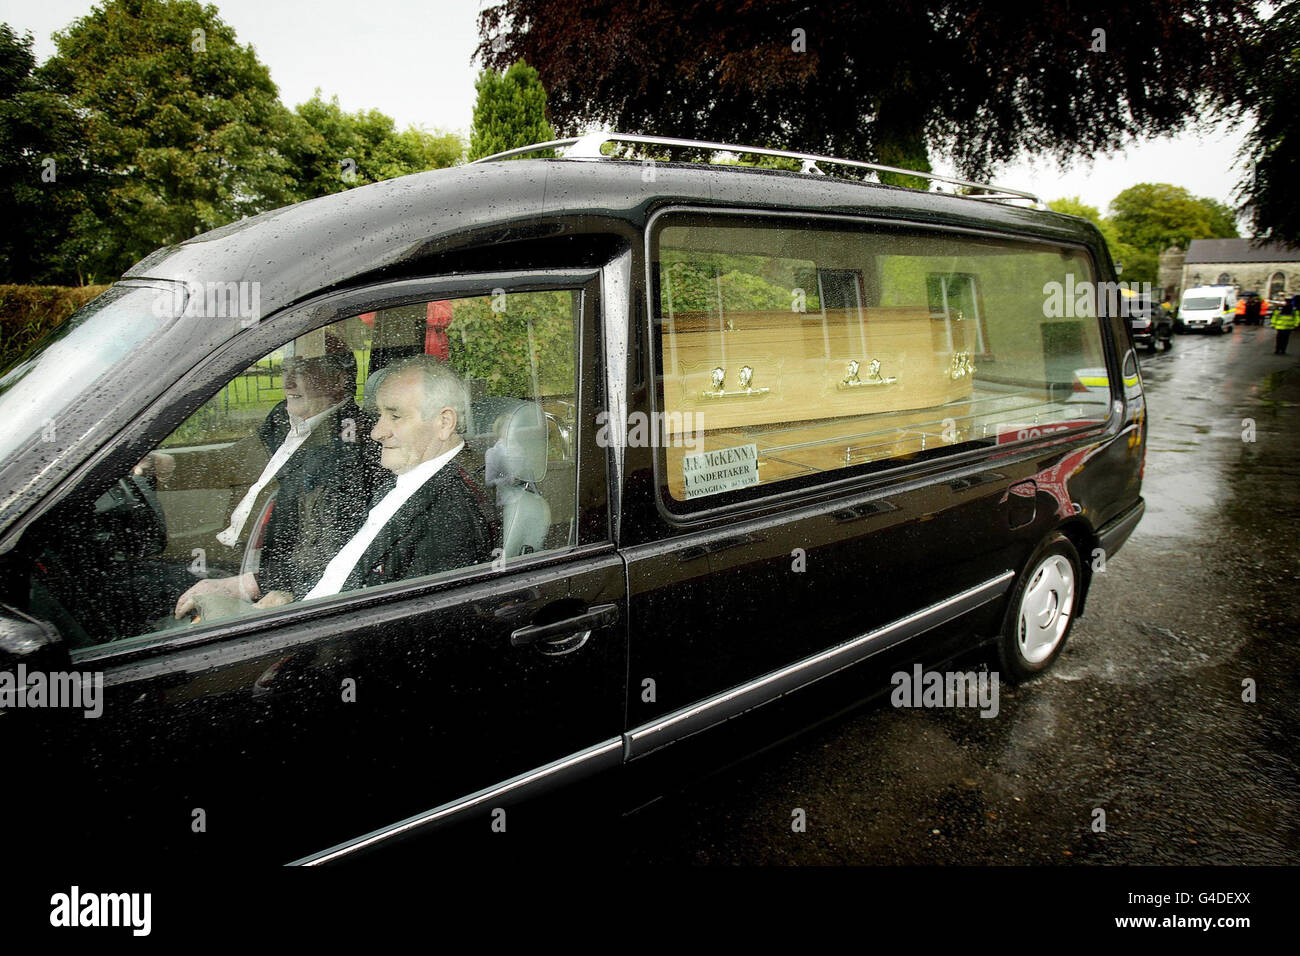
{"points": [[521, 448], [323, 349], [370, 394]]}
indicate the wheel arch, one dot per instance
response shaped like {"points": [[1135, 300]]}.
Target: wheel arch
{"points": [[1085, 541]]}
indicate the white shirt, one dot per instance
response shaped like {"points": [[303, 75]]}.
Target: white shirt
{"points": [[341, 565], [298, 432]]}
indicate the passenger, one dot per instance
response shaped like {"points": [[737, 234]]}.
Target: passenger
{"points": [[429, 516], [312, 446]]}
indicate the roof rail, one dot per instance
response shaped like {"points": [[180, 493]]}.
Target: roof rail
{"points": [[588, 147]]}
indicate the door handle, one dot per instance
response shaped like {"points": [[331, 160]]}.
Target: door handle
{"points": [[717, 546], [602, 615]]}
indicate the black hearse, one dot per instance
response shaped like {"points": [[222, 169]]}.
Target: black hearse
{"points": [[735, 430]]}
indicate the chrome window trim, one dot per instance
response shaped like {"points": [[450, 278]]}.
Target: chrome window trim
{"points": [[616, 307]]}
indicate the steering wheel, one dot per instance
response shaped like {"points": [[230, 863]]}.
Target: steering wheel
{"points": [[130, 516], [86, 588]]}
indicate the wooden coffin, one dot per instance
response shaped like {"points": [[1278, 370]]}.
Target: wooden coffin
{"points": [[801, 406]]}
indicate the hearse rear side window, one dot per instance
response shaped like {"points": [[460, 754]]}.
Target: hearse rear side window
{"points": [[787, 353]]}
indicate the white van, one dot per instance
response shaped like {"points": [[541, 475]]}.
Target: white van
{"points": [[1208, 307]]}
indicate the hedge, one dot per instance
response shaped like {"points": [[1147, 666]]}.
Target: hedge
{"points": [[28, 312]]}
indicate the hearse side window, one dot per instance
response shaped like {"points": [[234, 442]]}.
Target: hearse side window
{"points": [[788, 352], [391, 445]]}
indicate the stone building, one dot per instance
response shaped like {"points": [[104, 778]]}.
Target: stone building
{"points": [[1271, 269]]}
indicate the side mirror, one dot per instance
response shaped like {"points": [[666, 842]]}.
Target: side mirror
{"points": [[31, 642]]}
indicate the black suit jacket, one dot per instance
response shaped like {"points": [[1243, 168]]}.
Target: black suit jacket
{"points": [[324, 489], [442, 526]]}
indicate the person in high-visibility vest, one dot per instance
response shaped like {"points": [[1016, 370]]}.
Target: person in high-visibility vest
{"points": [[1284, 322], [1248, 310]]}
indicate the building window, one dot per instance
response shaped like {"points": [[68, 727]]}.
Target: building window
{"points": [[1276, 285], [1224, 279]]}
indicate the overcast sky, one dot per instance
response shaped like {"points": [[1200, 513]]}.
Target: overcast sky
{"points": [[411, 59]]}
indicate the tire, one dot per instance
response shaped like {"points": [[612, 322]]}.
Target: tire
{"points": [[1041, 610], [1167, 344]]}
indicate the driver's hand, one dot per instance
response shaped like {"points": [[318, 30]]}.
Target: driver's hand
{"points": [[157, 463], [275, 599], [233, 587]]}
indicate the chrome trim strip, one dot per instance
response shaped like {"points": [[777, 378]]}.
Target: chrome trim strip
{"points": [[598, 753], [616, 306], [714, 710]]}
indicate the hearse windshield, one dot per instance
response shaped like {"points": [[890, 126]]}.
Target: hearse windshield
{"points": [[67, 363]]}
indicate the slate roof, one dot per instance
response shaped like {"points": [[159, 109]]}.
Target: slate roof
{"points": [[1239, 250]]}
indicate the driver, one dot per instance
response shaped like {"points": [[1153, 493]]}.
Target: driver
{"points": [[312, 447]]}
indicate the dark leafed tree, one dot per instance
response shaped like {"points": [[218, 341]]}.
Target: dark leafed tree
{"points": [[888, 81], [1272, 90], [510, 111], [46, 230]]}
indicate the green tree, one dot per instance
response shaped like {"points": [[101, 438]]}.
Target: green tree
{"points": [[510, 112], [493, 344], [1223, 218], [1152, 216], [694, 281], [182, 123], [1074, 206], [1138, 265], [331, 150], [45, 220], [890, 81]]}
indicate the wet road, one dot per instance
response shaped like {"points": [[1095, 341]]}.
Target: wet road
{"points": [[1143, 716]]}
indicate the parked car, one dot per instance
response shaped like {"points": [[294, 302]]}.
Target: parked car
{"points": [[734, 431], [1207, 309], [1150, 325]]}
